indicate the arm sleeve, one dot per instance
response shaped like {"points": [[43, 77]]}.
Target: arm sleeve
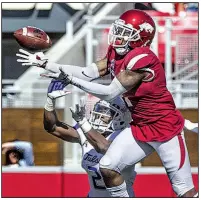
{"points": [[27, 149], [104, 92], [86, 73]]}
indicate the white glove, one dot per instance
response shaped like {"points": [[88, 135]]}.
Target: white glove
{"points": [[37, 59]]}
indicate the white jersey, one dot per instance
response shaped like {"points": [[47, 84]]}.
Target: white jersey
{"points": [[90, 162]]}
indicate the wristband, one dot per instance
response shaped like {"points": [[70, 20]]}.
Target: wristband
{"points": [[85, 125], [49, 105], [76, 126]]}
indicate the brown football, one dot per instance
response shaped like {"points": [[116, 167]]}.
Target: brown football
{"points": [[33, 39]]}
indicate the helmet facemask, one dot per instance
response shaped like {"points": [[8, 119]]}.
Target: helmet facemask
{"points": [[109, 117], [121, 34], [101, 117]]}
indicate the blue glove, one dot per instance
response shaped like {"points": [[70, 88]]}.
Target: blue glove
{"points": [[57, 89]]}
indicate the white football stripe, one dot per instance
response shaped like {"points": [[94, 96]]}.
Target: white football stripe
{"points": [[134, 60], [24, 31]]}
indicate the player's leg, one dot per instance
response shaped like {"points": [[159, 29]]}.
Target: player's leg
{"points": [[129, 175], [123, 152], [174, 156]]}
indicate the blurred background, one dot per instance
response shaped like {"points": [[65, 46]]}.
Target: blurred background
{"points": [[79, 35]]}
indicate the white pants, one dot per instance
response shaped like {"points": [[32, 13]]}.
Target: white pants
{"points": [[125, 150]]}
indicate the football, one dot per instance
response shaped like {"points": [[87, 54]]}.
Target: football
{"points": [[32, 39]]}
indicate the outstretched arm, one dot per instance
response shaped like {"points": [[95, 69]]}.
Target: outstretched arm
{"points": [[88, 73], [59, 129], [51, 123], [125, 81], [96, 70]]}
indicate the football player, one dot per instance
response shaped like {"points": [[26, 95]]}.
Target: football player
{"points": [[106, 118], [139, 76]]}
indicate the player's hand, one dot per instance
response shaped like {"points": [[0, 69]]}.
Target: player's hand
{"points": [[78, 113], [60, 76], [37, 59], [57, 89]]}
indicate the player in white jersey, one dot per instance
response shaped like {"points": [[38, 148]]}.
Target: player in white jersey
{"points": [[90, 162], [107, 119]]}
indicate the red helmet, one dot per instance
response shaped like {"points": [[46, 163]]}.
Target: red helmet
{"points": [[134, 28]]}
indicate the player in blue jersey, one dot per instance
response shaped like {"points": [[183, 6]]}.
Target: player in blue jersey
{"points": [[105, 123]]}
